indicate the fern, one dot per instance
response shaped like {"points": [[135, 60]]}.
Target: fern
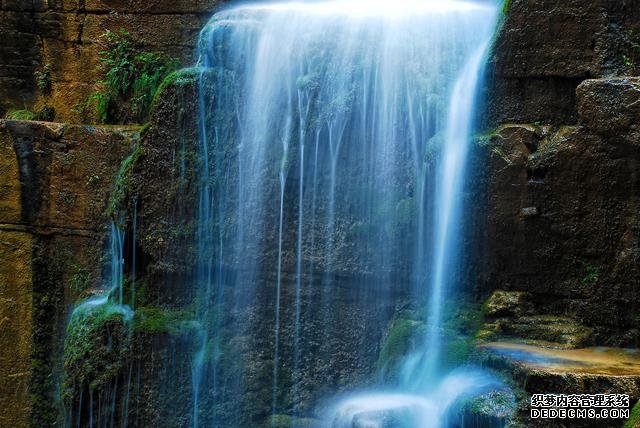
{"points": [[131, 77]]}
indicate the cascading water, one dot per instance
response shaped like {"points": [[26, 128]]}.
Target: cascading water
{"points": [[334, 136], [108, 304]]}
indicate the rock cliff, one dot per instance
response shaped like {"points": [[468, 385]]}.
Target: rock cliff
{"points": [[56, 180], [62, 39]]}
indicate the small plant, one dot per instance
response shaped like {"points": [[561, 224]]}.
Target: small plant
{"points": [[506, 6], [93, 179], [591, 274], [21, 115], [44, 114], [80, 280], [632, 56], [131, 77], [43, 80]]}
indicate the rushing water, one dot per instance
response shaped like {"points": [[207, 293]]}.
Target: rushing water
{"points": [[334, 138]]}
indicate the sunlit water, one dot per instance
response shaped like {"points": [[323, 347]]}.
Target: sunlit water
{"points": [[334, 138]]}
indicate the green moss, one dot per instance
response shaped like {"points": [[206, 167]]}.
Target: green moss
{"points": [[286, 421], [153, 320], [591, 274], [462, 318], [21, 115], [46, 113], [492, 141], [634, 417], [96, 348], [463, 321], [398, 342], [81, 279], [180, 78], [123, 181], [506, 6]]}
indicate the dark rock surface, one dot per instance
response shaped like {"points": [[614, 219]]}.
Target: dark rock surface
{"points": [[545, 48], [578, 256]]}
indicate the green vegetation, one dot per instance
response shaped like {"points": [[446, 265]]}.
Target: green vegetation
{"points": [[398, 342], [131, 77], [461, 321], [461, 324], [81, 279], [491, 140], [152, 320], [43, 80], [179, 78], [45, 114], [21, 115], [632, 56], [591, 274], [634, 417], [123, 181], [95, 349], [286, 421], [506, 6], [627, 61]]}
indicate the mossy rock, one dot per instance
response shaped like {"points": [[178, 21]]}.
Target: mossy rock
{"points": [[634, 418], [495, 408], [287, 421], [123, 184], [153, 320], [398, 342], [96, 348], [178, 78]]}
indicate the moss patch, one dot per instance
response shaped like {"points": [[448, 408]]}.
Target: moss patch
{"points": [[123, 181], [506, 6], [21, 115], [398, 342], [286, 421], [634, 417], [96, 347], [153, 320], [183, 77]]}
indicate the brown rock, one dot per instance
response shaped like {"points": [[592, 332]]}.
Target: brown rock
{"points": [[64, 35], [578, 256], [610, 107], [55, 183]]}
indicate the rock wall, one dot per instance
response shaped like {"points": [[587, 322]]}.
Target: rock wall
{"points": [[55, 183], [545, 48], [64, 35], [559, 166]]}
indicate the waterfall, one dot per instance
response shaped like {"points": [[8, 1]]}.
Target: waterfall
{"points": [[333, 145]]}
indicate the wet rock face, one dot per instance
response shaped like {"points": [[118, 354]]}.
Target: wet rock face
{"points": [[545, 48], [578, 256], [64, 35], [54, 183], [559, 189], [611, 107], [337, 358]]}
